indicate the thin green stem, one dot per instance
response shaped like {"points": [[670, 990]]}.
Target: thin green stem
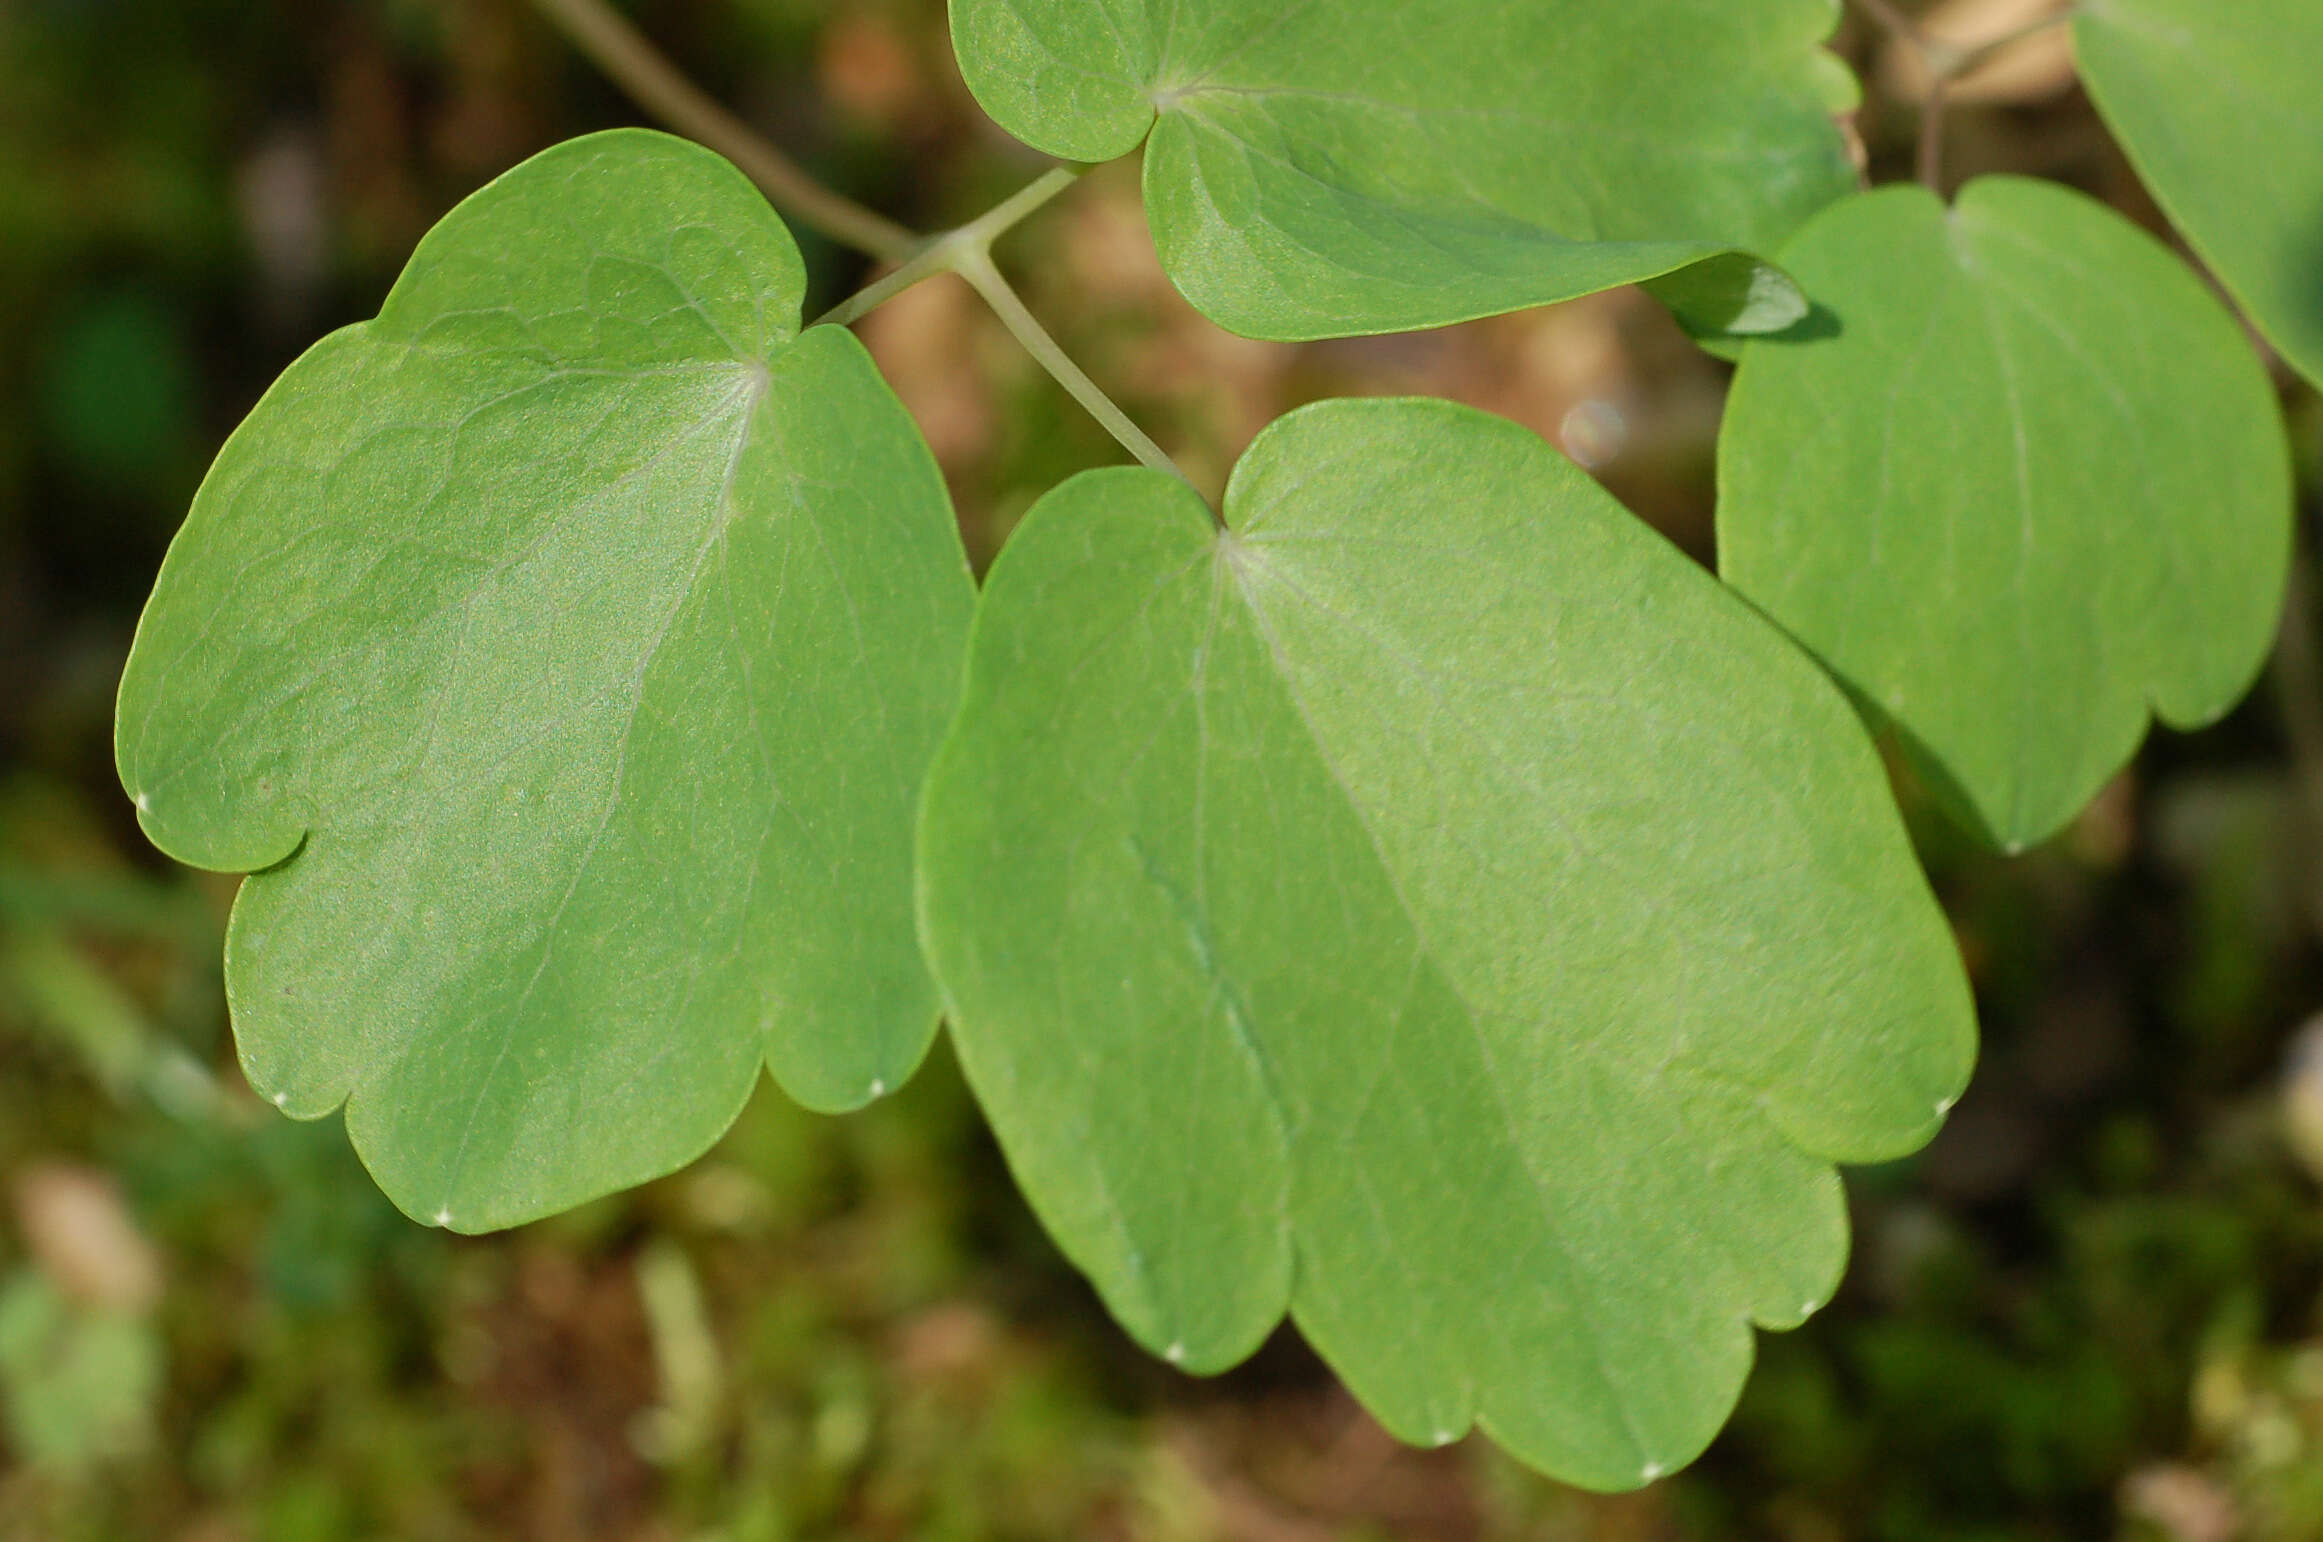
{"points": [[967, 251], [941, 254], [1012, 211], [975, 265], [622, 52], [932, 259]]}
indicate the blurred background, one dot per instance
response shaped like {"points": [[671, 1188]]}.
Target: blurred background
{"points": [[2093, 1309]]}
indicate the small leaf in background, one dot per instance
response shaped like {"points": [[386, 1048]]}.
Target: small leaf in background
{"points": [[565, 646], [1434, 907], [2031, 487], [80, 1358], [52, 989], [78, 1384], [1332, 167], [2219, 105], [685, 1357]]}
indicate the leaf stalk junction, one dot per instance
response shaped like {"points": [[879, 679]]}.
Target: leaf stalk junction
{"points": [[615, 46], [1946, 62]]}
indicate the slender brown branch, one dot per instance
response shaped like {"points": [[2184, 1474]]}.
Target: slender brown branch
{"points": [[623, 53]]}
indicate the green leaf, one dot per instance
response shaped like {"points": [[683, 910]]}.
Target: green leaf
{"points": [[567, 646], [1435, 908], [78, 1384], [1327, 167], [2220, 106], [2035, 484]]}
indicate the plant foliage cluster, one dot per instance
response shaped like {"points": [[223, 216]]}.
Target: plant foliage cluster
{"points": [[1411, 897]]}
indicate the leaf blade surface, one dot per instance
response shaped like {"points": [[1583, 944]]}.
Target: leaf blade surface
{"points": [[2033, 489], [561, 651], [1435, 909], [2218, 108], [1333, 167]]}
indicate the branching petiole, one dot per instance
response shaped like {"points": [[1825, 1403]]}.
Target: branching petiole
{"points": [[1946, 62], [942, 253], [967, 251], [975, 265], [623, 53]]}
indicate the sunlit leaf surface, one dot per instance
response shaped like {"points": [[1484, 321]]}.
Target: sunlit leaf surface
{"points": [[2220, 105], [1319, 168], [566, 646], [2023, 484], [1435, 908]]}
